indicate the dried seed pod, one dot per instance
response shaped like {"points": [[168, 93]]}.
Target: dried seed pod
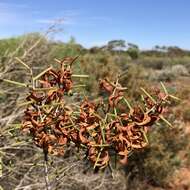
{"points": [[53, 124]]}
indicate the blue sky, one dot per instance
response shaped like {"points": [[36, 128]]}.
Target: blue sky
{"points": [[94, 22]]}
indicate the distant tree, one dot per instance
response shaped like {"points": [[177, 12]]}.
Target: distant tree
{"points": [[133, 46], [116, 45], [156, 47], [160, 48]]}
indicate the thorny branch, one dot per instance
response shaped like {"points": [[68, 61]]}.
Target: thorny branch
{"points": [[54, 124]]}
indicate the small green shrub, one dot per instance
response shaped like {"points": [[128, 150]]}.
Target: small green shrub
{"points": [[133, 53]]}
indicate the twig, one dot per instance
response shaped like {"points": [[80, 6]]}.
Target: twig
{"points": [[46, 170]]}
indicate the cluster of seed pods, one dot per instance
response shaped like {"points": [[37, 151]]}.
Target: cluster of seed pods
{"points": [[100, 127]]}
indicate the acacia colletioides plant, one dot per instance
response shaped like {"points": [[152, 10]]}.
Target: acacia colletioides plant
{"points": [[99, 127]]}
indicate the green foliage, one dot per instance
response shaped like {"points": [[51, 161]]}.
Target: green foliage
{"points": [[116, 45], [69, 49], [133, 53], [9, 45]]}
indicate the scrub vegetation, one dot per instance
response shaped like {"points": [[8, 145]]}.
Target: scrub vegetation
{"points": [[110, 117]]}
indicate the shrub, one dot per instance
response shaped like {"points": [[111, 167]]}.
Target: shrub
{"points": [[152, 62], [133, 53], [165, 75], [100, 128], [156, 164], [143, 170], [179, 70]]}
